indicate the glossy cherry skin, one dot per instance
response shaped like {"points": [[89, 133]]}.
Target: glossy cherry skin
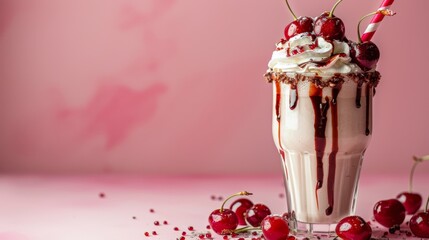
{"points": [[365, 55], [411, 201], [274, 227], [330, 28], [353, 228], [256, 214], [389, 212], [224, 222], [240, 206], [301, 25], [419, 224]]}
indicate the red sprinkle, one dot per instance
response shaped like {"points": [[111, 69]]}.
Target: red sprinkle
{"points": [[156, 223], [225, 237], [134, 217], [165, 222], [241, 239], [146, 234], [291, 238], [213, 197], [151, 210], [254, 233], [182, 238], [201, 236], [102, 195], [208, 235], [154, 233], [176, 229], [208, 227], [190, 228], [183, 233]]}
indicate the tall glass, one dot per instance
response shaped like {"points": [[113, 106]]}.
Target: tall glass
{"points": [[322, 127]]}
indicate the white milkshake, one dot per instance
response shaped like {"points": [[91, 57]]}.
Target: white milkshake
{"points": [[322, 123]]}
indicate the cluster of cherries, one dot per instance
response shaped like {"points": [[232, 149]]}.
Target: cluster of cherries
{"points": [[330, 27], [388, 213], [242, 211], [391, 213]]}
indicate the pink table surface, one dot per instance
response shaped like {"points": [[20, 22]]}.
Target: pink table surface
{"points": [[70, 207]]}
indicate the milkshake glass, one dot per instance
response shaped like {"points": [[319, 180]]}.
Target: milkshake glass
{"points": [[322, 125]]}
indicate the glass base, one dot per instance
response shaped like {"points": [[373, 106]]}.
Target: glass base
{"points": [[311, 230]]}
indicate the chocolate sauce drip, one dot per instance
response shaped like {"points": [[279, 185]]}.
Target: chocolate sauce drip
{"points": [[368, 95], [320, 119], [278, 98], [358, 94], [333, 155], [293, 97]]}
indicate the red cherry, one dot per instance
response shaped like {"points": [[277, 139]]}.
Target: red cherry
{"points": [[240, 206], [389, 212], [411, 201], [330, 28], [419, 224], [274, 227], [224, 222], [300, 25], [365, 55], [353, 228], [256, 214]]}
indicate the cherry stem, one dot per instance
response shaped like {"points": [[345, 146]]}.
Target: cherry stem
{"points": [[416, 160], [243, 193], [333, 8], [290, 10], [385, 12], [245, 229]]}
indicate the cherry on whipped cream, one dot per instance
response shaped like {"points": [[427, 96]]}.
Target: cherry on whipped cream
{"points": [[365, 55], [299, 25], [329, 26]]}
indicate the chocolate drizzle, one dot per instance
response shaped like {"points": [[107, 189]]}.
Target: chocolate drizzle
{"points": [[320, 119], [368, 96], [321, 107], [358, 94], [333, 155]]}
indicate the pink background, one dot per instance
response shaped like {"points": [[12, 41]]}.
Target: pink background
{"points": [[176, 87]]}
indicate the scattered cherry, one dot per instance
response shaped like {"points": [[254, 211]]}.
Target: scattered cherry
{"points": [[411, 201], [329, 26], [224, 221], [240, 206], [274, 227], [256, 214], [419, 223], [353, 228], [389, 212]]}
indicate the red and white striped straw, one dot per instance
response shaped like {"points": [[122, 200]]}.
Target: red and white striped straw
{"points": [[375, 21]]}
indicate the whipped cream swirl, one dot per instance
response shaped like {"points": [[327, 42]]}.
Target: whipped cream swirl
{"points": [[308, 54]]}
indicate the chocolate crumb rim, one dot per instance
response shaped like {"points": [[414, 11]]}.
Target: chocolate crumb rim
{"points": [[372, 78]]}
